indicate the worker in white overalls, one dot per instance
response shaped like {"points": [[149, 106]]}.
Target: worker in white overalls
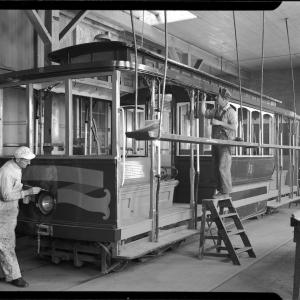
{"points": [[10, 192]]}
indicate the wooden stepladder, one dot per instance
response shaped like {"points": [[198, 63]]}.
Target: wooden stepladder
{"points": [[211, 214]]}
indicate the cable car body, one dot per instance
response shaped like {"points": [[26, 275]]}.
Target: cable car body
{"points": [[99, 185]]}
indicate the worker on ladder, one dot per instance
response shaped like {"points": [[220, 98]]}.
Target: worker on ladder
{"points": [[224, 125]]}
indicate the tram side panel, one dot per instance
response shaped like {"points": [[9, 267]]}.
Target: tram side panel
{"points": [[84, 191], [250, 178]]}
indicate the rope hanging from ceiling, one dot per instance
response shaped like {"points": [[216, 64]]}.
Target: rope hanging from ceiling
{"points": [[165, 76], [239, 75], [292, 69], [262, 78], [136, 73]]}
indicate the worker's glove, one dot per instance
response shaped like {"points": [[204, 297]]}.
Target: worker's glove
{"points": [[26, 200], [32, 191]]}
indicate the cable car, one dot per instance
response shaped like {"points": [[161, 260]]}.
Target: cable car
{"points": [[100, 200]]}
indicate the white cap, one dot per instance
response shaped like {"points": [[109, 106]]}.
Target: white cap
{"points": [[24, 152]]}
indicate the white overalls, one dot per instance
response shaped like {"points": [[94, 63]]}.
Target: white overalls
{"points": [[10, 193]]}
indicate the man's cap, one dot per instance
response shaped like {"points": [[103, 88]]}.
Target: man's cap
{"points": [[24, 152], [224, 93]]}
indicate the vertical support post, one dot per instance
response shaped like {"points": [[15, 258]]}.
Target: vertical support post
{"points": [[192, 168], [297, 156], [280, 158], [42, 122], [116, 80], [53, 26], [39, 49], [197, 165], [277, 151], [30, 116], [262, 133], [68, 117], [152, 212], [250, 131], [293, 155], [90, 126], [1, 121], [77, 122], [290, 161]]}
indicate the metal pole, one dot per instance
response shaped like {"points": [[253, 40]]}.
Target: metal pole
{"points": [[277, 151], [261, 86], [152, 212], [192, 168], [165, 77], [297, 157], [290, 161], [90, 125], [280, 159], [158, 176], [197, 162], [240, 82], [42, 122]]}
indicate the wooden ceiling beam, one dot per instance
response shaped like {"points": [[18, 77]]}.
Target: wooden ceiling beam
{"points": [[39, 26], [72, 24]]}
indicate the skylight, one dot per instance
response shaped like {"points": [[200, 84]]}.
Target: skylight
{"points": [[156, 17]]}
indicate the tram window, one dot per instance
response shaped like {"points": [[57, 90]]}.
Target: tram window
{"points": [[91, 135], [184, 128], [242, 131], [267, 133], [165, 147], [134, 147], [255, 130], [285, 135], [14, 119]]}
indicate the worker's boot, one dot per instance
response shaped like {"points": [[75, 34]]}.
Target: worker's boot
{"points": [[19, 282]]}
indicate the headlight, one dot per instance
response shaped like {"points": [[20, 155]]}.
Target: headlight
{"points": [[46, 203]]}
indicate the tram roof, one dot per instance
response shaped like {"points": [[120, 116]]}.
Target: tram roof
{"points": [[86, 69]]}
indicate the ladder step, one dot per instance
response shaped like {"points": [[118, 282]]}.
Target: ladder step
{"points": [[236, 232], [216, 210], [244, 249], [211, 237], [229, 215]]}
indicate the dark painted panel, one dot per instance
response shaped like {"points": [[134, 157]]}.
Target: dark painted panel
{"points": [[85, 190], [74, 232], [245, 170]]}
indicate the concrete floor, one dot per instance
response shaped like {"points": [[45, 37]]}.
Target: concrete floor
{"points": [[181, 271]]}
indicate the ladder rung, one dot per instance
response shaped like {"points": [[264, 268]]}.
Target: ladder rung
{"points": [[212, 237], [236, 232], [229, 215], [216, 254], [244, 249]]}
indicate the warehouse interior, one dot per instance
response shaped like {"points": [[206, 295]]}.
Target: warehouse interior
{"points": [[258, 50]]}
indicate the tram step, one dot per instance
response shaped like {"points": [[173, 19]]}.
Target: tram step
{"points": [[166, 217], [134, 250], [283, 201]]}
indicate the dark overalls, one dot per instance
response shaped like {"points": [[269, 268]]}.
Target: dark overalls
{"points": [[221, 155]]}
